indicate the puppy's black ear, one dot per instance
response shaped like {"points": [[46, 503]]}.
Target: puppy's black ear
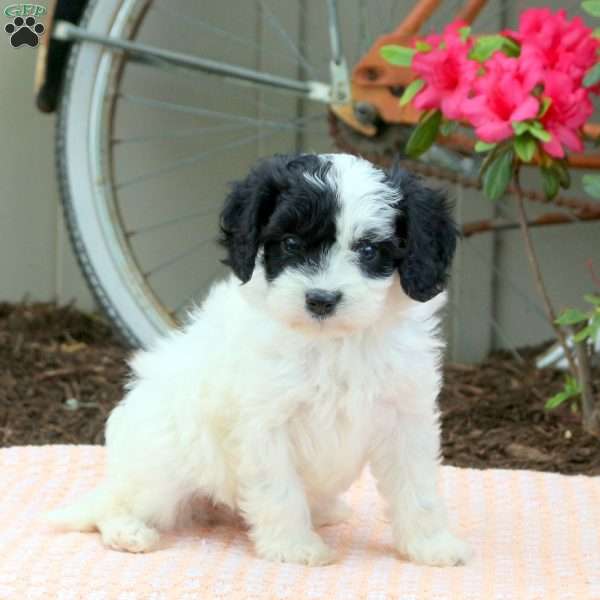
{"points": [[247, 210], [427, 233]]}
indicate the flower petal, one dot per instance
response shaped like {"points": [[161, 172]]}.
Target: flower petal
{"points": [[494, 131], [554, 148], [527, 110]]}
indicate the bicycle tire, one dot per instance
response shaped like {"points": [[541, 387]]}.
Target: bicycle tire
{"points": [[86, 255]]}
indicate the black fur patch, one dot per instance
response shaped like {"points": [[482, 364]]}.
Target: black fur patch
{"points": [[385, 259], [274, 202], [426, 226], [305, 212]]}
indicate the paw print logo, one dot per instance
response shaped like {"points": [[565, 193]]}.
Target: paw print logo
{"points": [[24, 32]]}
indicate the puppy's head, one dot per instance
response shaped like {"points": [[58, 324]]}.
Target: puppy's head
{"points": [[327, 241]]}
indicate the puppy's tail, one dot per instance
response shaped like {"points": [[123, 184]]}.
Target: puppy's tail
{"points": [[85, 514]]}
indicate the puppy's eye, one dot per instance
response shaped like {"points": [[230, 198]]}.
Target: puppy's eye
{"points": [[291, 244], [368, 251]]}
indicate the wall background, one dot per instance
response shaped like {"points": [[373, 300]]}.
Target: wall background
{"points": [[36, 261]]}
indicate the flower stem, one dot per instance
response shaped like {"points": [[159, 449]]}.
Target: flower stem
{"points": [[590, 408], [537, 273], [581, 371]]}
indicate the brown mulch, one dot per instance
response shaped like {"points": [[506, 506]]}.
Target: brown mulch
{"points": [[50, 357], [61, 372], [493, 416]]}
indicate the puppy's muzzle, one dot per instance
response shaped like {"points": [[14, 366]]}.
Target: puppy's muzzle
{"points": [[322, 303]]}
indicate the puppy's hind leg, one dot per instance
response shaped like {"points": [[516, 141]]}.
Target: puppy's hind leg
{"points": [[112, 512], [141, 509]]}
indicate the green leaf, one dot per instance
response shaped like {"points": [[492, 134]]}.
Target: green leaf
{"points": [[589, 331], [421, 46], [546, 103], [564, 177], [550, 182], [491, 156], [486, 45], [592, 299], [424, 134], [596, 32], [592, 77], [397, 55], [572, 387], [464, 33], [520, 127], [537, 130], [571, 316], [448, 127], [497, 176], [481, 146], [585, 333], [511, 48], [411, 91], [591, 184], [592, 7], [525, 147], [556, 400]]}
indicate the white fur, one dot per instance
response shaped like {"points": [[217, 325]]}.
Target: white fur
{"points": [[265, 410]]}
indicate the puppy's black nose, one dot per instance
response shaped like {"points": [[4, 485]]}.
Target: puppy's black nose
{"points": [[321, 302]]}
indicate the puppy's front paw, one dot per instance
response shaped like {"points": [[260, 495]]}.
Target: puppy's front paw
{"points": [[310, 550], [441, 549]]}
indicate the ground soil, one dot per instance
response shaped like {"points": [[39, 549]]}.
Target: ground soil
{"points": [[62, 371]]}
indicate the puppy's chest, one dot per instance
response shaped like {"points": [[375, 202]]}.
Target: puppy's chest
{"points": [[332, 427]]}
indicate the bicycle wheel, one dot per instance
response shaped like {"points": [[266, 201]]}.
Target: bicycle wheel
{"points": [[145, 151]]}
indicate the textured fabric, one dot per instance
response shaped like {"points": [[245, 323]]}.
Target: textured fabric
{"points": [[535, 535]]}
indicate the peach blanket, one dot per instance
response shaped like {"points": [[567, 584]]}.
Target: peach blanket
{"points": [[536, 536]]}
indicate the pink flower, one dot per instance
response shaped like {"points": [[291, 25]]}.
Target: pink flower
{"points": [[447, 71], [569, 110], [502, 97], [551, 42]]}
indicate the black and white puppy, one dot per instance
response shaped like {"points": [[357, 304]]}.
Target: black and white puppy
{"points": [[277, 392]]}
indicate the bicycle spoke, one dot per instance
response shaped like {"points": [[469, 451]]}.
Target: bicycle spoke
{"points": [[204, 112], [197, 158], [179, 133], [260, 104], [189, 217], [175, 259], [204, 26], [278, 28], [219, 31]]}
